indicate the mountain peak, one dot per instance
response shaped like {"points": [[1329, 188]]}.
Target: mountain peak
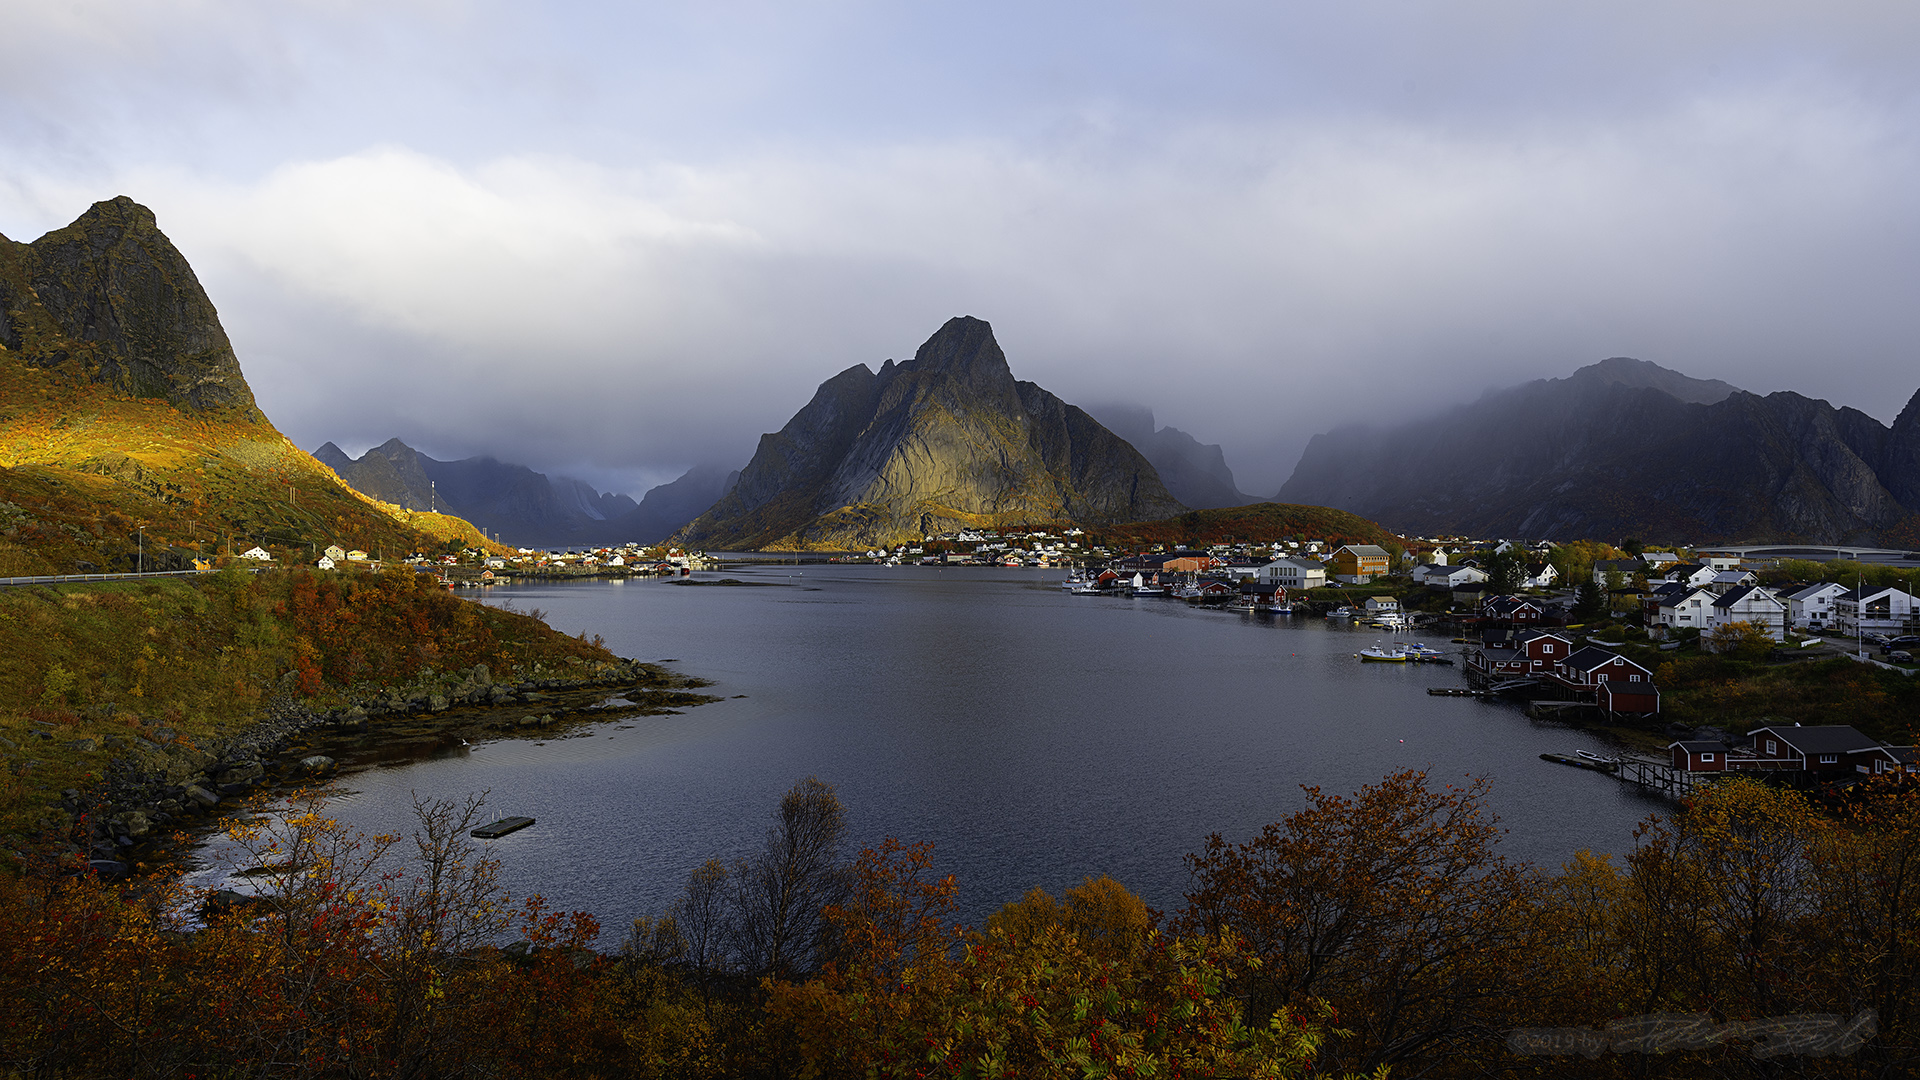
{"points": [[1644, 374], [962, 343], [948, 440], [118, 305], [120, 212]]}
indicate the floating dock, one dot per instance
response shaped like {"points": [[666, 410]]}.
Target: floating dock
{"points": [[1454, 691], [1580, 763], [502, 827]]}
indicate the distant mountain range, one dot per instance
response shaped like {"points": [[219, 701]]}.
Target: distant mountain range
{"points": [[945, 441], [521, 506], [1626, 448], [1196, 473]]}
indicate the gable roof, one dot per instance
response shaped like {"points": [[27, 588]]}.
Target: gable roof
{"points": [[1593, 656], [1821, 738], [1743, 592], [1368, 551], [1816, 590]]}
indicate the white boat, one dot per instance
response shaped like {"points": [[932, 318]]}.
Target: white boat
{"points": [[1141, 588], [1597, 759], [1394, 654], [1340, 613], [1084, 588]]}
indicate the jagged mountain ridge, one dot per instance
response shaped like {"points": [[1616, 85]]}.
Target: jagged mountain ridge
{"points": [[1196, 473], [521, 506], [946, 440], [1612, 452]]}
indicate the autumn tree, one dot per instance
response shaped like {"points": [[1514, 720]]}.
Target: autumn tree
{"points": [[1391, 904], [780, 927], [1739, 640]]}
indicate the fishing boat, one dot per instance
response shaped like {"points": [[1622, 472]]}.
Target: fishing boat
{"points": [[1340, 613], [1378, 654], [1141, 587], [1084, 588]]}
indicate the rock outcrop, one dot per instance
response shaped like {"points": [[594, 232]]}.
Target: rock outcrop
{"points": [[944, 441], [110, 299], [1625, 448]]}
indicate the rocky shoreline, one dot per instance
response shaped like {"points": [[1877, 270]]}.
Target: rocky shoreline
{"points": [[160, 783]]}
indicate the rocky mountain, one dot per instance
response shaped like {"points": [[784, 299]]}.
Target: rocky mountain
{"points": [[129, 436], [1196, 473], [1626, 448], [110, 300], [944, 441]]}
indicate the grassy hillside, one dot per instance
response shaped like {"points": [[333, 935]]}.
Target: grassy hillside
{"points": [[1258, 523], [92, 668], [87, 476]]}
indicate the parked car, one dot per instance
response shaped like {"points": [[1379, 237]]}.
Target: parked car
{"points": [[1901, 655]]}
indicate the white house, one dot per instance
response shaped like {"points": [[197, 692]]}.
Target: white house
{"points": [[259, 553], [325, 563], [1874, 610], [1540, 575], [1446, 577], [1376, 605], [1686, 609], [335, 552], [1626, 568], [1728, 580], [1753, 604], [1695, 574], [1293, 573], [1811, 608]]}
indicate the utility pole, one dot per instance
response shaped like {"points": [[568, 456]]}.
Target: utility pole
{"points": [[140, 559]]}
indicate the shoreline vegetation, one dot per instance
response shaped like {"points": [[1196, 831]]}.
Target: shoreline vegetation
{"points": [[133, 707], [1379, 933]]}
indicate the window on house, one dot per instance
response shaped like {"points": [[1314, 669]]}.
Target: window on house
{"points": [[1772, 748], [1706, 757], [1829, 759], [1633, 678]]}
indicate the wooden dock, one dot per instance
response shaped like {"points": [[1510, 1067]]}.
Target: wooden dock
{"points": [[1661, 777], [502, 827]]}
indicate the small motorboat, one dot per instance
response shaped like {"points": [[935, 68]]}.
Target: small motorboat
{"points": [[1340, 613], [1378, 654]]}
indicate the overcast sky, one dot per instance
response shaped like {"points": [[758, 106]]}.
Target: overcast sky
{"points": [[618, 239]]}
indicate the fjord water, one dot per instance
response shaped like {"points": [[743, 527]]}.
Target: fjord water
{"points": [[1034, 737]]}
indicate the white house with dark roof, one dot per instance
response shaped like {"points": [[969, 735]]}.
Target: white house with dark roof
{"points": [[1874, 610], [1752, 604], [1685, 608], [1446, 577], [1811, 608], [1727, 580]]}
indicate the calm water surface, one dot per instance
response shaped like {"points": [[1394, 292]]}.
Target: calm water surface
{"points": [[1035, 737]]}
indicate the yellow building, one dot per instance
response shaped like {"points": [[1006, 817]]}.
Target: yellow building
{"points": [[1360, 562]]}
